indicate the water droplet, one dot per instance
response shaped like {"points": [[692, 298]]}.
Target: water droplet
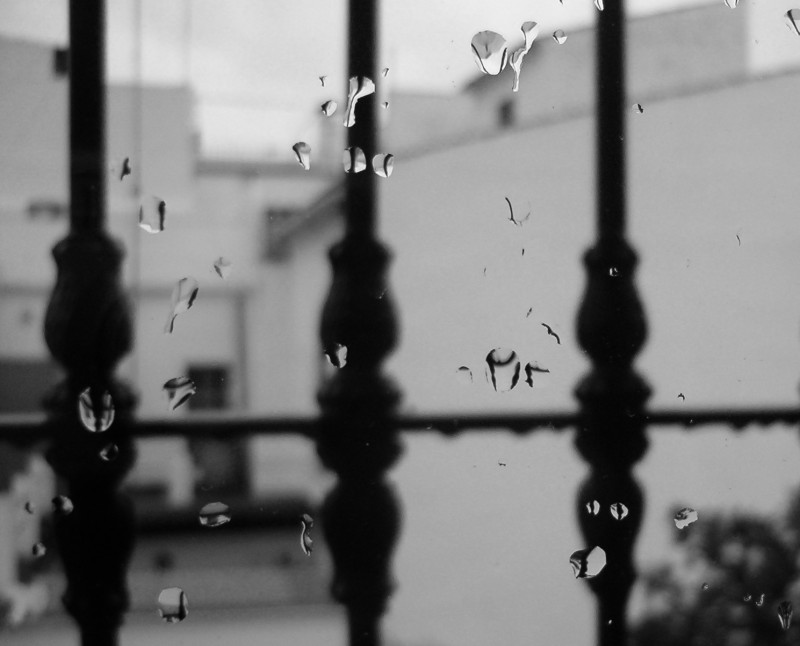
{"points": [[502, 369], [588, 563], [464, 375], [599, 4], [62, 505], [383, 165], [684, 517], [793, 20], [613, 272], [490, 51], [560, 36], [183, 296], [178, 391], [306, 543], [322, 80], [302, 152], [30, 507], [530, 369], [152, 214], [214, 514], [126, 168], [731, 4], [360, 86], [337, 355], [530, 30], [785, 614], [329, 107], [760, 601], [96, 413], [173, 606], [747, 597], [593, 507], [385, 104], [705, 586], [618, 510], [223, 267], [637, 108], [109, 453], [354, 160], [384, 72], [39, 550]]}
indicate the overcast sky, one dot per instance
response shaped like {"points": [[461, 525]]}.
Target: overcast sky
{"points": [[252, 57]]}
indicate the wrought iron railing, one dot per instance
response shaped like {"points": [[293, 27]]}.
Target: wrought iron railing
{"points": [[88, 330]]}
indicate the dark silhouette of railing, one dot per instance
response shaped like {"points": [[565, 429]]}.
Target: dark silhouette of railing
{"points": [[88, 330]]}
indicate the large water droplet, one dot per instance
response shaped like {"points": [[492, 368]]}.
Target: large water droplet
{"points": [[329, 107], [588, 563], [464, 375], [152, 214], [125, 168], [684, 517], [638, 108], [760, 601], [337, 355], [39, 550], [178, 391], [530, 369], [360, 86], [354, 160], [62, 505], [322, 80], [173, 606], [30, 507], [785, 614], [302, 151], [599, 4], [223, 267], [214, 514], [502, 369], [704, 586], [560, 36], [383, 164], [109, 453], [593, 507], [490, 51], [385, 105], [183, 296], [96, 413], [618, 510], [530, 30], [793, 20], [384, 72], [306, 543], [747, 598], [731, 4]]}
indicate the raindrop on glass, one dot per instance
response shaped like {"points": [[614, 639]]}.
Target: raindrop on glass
{"points": [[302, 152], [760, 601], [173, 606], [705, 586], [178, 391], [599, 4], [531, 368], [329, 107], [62, 505], [618, 510], [747, 597], [125, 169], [306, 543], [360, 86], [109, 453], [214, 514], [223, 267], [354, 160], [560, 36], [385, 105], [96, 416], [322, 80], [593, 507], [731, 4], [684, 517], [588, 563], [337, 355], [785, 614], [384, 72], [530, 30], [793, 21], [383, 164], [502, 369], [613, 272], [39, 550], [30, 507], [183, 296], [464, 375], [637, 108], [490, 51], [152, 214]]}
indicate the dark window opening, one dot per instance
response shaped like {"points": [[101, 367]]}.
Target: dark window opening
{"points": [[212, 387]]}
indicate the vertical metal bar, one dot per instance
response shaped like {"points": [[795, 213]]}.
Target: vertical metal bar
{"points": [[612, 329], [357, 433], [88, 330]]}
